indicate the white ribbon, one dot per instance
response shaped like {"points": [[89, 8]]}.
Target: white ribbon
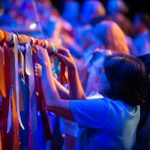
{"points": [[17, 79], [29, 67], [33, 124]]}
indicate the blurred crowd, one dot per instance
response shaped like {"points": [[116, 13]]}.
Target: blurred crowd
{"points": [[76, 21]]}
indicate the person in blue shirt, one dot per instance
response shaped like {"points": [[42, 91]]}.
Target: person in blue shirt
{"points": [[106, 123]]}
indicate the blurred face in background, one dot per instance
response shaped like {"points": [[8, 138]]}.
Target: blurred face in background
{"points": [[137, 24], [71, 11], [85, 37], [91, 9], [111, 37]]}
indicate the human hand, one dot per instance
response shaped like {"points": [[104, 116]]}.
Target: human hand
{"points": [[38, 70], [43, 56], [63, 55]]}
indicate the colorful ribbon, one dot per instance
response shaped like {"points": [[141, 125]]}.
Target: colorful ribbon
{"points": [[15, 48]]}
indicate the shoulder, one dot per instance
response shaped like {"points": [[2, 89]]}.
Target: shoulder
{"points": [[90, 113]]}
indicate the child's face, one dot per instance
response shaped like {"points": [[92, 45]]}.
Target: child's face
{"points": [[103, 82]]}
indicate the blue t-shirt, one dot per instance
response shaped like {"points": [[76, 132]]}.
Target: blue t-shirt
{"points": [[105, 124]]}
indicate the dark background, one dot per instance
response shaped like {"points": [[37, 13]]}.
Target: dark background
{"points": [[134, 5]]}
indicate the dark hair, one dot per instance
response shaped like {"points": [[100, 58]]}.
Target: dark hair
{"points": [[146, 60], [127, 77]]}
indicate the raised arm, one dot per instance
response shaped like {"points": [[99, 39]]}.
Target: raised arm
{"points": [[52, 98], [75, 88], [63, 92]]}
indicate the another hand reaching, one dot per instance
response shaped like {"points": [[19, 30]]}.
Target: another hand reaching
{"points": [[43, 56], [38, 70], [64, 56]]}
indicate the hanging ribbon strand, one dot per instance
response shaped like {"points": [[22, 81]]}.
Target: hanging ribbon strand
{"points": [[17, 79]]}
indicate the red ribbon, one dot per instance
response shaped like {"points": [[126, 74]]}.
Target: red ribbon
{"points": [[6, 137], [41, 105]]}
